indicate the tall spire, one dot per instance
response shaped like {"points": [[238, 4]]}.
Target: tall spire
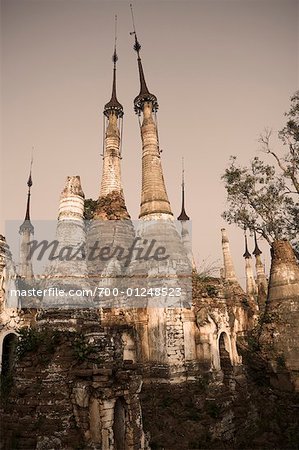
{"points": [[154, 200], [113, 105], [111, 190], [144, 94], [25, 268], [27, 224], [183, 216]]}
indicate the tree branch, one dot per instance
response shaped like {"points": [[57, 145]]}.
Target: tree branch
{"points": [[264, 139]]}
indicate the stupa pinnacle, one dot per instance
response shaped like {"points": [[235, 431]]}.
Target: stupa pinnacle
{"points": [[154, 199], [111, 184], [26, 231]]}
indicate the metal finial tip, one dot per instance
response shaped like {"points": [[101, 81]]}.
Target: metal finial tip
{"points": [[136, 46], [114, 57], [29, 182]]}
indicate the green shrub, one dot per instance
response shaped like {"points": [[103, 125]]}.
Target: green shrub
{"points": [[29, 341], [82, 350]]}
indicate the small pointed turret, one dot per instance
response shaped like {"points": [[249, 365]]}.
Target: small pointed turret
{"points": [[250, 281], [262, 283], [183, 216], [26, 230], [246, 254], [27, 223], [154, 199], [256, 251]]}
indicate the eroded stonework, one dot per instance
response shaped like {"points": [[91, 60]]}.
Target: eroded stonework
{"points": [[280, 326]]}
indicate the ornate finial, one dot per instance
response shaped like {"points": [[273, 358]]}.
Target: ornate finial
{"points": [[246, 254], [29, 182], [183, 216], [114, 56], [113, 105], [144, 94], [136, 45], [27, 224], [256, 250]]}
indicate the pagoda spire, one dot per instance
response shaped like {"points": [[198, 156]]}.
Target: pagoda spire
{"points": [[256, 251], [185, 226], [183, 216], [154, 200], [144, 94], [111, 184], [25, 268], [246, 254], [250, 281], [262, 282], [27, 224], [113, 105]]}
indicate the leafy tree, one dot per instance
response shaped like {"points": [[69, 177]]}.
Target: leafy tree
{"points": [[264, 197]]}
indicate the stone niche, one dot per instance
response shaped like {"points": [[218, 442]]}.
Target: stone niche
{"points": [[223, 314], [107, 409]]}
